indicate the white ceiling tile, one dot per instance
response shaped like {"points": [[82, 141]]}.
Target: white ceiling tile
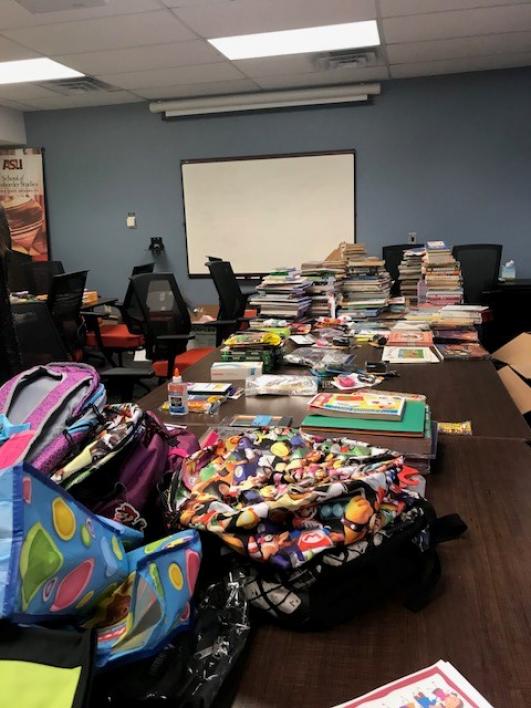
{"points": [[22, 92], [11, 51], [397, 8], [92, 99], [443, 25], [453, 66], [206, 89], [200, 73], [286, 65], [324, 78], [12, 15], [185, 3], [249, 16], [104, 33], [143, 58], [459, 47]]}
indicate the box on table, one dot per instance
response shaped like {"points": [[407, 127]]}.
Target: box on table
{"points": [[235, 371]]}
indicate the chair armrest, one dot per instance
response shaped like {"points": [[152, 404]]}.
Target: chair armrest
{"points": [[215, 323], [174, 337]]}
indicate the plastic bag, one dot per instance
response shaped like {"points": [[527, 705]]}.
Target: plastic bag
{"points": [[191, 670], [316, 357], [277, 385]]}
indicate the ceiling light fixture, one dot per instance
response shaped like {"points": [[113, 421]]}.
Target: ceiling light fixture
{"points": [[42, 69], [350, 35]]}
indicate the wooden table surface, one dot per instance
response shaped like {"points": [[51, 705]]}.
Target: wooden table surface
{"points": [[479, 619], [456, 391]]}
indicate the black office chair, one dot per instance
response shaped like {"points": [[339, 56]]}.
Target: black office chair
{"points": [[64, 302], [40, 274], [166, 323], [143, 268], [17, 277], [40, 343], [232, 302], [393, 256], [480, 268]]}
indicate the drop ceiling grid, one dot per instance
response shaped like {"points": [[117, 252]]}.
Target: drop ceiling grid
{"points": [[152, 49]]}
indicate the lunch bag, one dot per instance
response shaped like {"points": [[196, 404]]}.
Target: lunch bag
{"points": [[48, 411]]}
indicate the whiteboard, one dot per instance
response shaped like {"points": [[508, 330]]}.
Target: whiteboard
{"points": [[260, 213]]}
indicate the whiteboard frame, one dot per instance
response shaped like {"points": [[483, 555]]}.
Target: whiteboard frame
{"points": [[237, 158]]}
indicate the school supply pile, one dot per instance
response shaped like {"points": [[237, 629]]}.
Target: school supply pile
{"points": [[410, 272], [326, 287], [280, 385], [284, 293], [440, 686], [366, 288], [313, 521], [396, 421], [442, 275], [253, 346]]}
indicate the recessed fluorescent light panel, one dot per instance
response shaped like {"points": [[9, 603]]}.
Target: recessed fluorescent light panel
{"points": [[350, 35], [42, 69]]}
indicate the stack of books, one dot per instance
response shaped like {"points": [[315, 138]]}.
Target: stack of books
{"points": [[351, 251], [326, 287], [400, 422], [251, 346], [366, 289], [442, 275], [284, 293], [410, 272]]}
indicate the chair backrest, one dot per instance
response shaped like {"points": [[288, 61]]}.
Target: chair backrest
{"points": [[213, 259], [38, 337], [393, 255], [231, 299], [17, 276], [163, 308], [64, 302], [480, 268], [40, 274], [143, 268]]}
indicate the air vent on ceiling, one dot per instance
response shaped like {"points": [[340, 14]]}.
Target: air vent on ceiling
{"points": [[343, 59], [79, 86], [41, 6]]}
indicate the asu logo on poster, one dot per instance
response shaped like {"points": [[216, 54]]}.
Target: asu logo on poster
{"points": [[12, 165]]}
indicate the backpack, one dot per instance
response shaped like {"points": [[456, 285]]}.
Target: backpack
{"points": [[52, 409], [344, 582], [121, 475]]}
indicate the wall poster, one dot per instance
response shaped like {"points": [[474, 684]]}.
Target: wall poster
{"points": [[22, 196]]}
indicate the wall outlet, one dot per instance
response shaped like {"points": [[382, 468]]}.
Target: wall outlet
{"points": [[131, 220], [412, 236]]}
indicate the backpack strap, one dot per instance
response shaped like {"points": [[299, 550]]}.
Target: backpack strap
{"points": [[446, 528], [420, 592]]}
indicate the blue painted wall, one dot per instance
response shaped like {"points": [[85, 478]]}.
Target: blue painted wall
{"points": [[448, 157]]}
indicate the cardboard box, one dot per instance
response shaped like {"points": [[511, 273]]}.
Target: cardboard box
{"points": [[517, 388], [235, 370], [517, 354]]}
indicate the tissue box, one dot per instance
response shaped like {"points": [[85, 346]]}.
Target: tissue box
{"points": [[235, 370]]}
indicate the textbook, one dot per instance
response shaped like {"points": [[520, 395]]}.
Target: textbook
{"points": [[410, 355], [438, 685], [463, 351], [412, 423], [413, 338], [361, 404]]}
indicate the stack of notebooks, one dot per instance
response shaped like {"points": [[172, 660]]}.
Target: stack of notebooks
{"points": [[325, 288], [400, 422], [410, 272], [352, 251], [442, 275], [250, 346], [284, 293], [366, 289]]}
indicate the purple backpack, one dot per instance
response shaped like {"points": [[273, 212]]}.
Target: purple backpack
{"points": [[47, 411], [127, 486]]}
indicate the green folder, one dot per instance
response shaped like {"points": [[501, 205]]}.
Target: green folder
{"points": [[413, 422]]}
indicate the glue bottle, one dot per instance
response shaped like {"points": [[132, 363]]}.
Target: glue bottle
{"points": [[177, 395]]}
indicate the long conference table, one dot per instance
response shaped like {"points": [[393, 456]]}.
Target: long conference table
{"points": [[480, 618]]}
